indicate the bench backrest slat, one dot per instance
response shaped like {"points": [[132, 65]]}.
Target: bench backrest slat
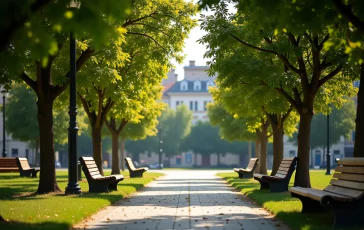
{"points": [[89, 164], [348, 178], [129, 163], [24, 164], [252, 164], [343, 191], [8, 162], [286, 167]]}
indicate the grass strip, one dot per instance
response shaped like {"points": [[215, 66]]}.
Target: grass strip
{"points": [[26, 210], [282, 205]]}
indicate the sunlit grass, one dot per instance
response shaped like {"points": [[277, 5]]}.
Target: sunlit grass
{"points": [[24, 209], [285, 207]]}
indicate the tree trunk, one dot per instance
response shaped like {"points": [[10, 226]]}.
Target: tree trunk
{"points": [[257, 154], [218, 159], [47, 181], [278, 146], [195, 163], [115, 167], [263, 149], [97, 147], [359, 121], [302, 178], [122, 153]]}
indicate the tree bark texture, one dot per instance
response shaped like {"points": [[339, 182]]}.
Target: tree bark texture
{"points": [[115, 167], [276, 121], [122, 153], [302, 177], [47, 179], [257, 154], [115, 133], [263, 148], [97, 146], [359, 121]]}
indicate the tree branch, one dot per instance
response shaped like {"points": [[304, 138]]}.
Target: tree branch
{"points": [[349, 15], [288, 97], [254, 47], [131, 22], [85, 55], [18, 22], [148, 36], [329, 76], [29, 81]]}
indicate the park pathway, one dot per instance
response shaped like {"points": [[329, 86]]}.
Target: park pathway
{"points": [[184, 200]]}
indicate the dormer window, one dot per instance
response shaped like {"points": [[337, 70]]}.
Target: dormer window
{"points": [[209, 83], [197, 86], [184, 86]]}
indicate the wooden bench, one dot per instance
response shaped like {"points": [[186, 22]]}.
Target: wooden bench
{"points": [[278, 182], [249, 170], [97, 182], [134, 172], [24, 168], [344, 196], [8, 164]]}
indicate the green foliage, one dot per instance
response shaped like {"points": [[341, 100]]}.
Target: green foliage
{"points": [[341, 123], [175, 125], [21, 116], [32, 29], [204, 139]]}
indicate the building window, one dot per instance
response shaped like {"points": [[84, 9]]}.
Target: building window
{"points": [[177, 103], [336, 152], [14, 152], [191, 105], [188, 158], [205, 105], [197, 85], [184, 86], [209, 84], [196, 105], [292, 153]]}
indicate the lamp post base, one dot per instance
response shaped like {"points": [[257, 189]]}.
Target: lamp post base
{"points": [[73, 189]]}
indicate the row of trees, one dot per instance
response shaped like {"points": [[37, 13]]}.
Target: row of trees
{"points": [[124, 50], [299, 61]]}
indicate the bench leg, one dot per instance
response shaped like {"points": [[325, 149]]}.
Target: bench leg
{"points": [[240, 175], [247, 175], [278, 186], [263, 185], [348, 215], [99, 187], [113, 186], [136, 174]]}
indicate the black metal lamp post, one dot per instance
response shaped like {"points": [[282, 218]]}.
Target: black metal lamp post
{"points": [[328, 155], [160, 150], [73, 187], [5, 94]]}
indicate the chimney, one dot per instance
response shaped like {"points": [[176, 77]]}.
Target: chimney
{"points": [[192, 63]]}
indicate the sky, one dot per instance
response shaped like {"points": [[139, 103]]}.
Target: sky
{"points": [[193, 50]]}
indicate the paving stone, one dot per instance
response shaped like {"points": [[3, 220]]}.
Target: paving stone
{"points": [[184, 200]]}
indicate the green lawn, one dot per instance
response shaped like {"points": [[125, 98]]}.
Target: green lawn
{"points": [[24, 209], [285, 207]]}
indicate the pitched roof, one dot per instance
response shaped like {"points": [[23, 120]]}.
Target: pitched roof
{"points": [[190, 87]]}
